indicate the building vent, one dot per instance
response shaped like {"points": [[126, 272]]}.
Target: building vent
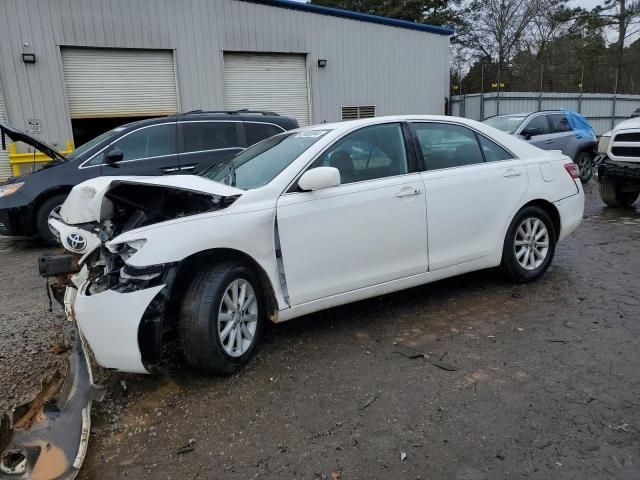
{"points": [[354, 113]]}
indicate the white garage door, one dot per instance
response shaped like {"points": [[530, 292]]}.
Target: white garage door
{"points": [[118, 83], [272, 82], [5, 167]]}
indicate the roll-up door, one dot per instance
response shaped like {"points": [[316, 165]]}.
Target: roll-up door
{"points": [[272, 82], [5, 167], [104, 83]]}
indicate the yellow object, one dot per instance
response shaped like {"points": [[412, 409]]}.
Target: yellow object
{"points": [[17, 160]]}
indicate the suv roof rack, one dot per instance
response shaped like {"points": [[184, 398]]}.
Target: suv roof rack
{"points": [[229, 112]]}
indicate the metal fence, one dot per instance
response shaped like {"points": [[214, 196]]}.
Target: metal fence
{"points": [[603, 110]]}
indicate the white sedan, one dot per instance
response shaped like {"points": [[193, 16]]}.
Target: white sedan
{"points": [[304, 221]]}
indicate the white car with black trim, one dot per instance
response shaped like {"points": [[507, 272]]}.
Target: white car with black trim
{"points": [[303, 221]]}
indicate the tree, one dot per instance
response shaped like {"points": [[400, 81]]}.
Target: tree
{"points": [[434, 12], [624, 16], [496, 29]]}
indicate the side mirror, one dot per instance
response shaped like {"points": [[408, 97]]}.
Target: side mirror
{"points": [[527, 133], [319, 178], [114, 156]]}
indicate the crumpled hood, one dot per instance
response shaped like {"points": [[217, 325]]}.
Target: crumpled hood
{"points": [[86, 204]]}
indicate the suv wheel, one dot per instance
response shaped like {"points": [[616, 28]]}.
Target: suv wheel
{"points": [[529, 245], [48, 209], [613, 196], [221, 318], [584, 160]]}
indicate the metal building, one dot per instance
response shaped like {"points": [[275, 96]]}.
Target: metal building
{"points": [[70, 69]]}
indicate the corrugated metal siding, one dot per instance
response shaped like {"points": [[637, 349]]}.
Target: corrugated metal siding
{"points": [[275, 83], [118, 83], [5, 167], [602, 110], [400, 71]]}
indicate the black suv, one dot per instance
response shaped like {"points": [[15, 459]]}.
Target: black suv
{"points": [[184, 143]]}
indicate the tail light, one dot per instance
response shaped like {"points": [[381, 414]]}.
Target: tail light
{"points": [[573, 170]]}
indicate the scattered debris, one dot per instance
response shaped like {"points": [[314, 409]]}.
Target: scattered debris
{"points": [[47, 438], [623, 426], [557, 340], [335, 475], [59, 348], [443, 365], [188, 448], [409, 352], [517, 294], [403, 456], [123, 385], [370, 401]]}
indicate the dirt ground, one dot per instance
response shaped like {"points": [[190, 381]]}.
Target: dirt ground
{"points": [[546, 382]]}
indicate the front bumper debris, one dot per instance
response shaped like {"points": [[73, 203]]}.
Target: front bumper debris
{"points": [[47, 438], [621, 172]]}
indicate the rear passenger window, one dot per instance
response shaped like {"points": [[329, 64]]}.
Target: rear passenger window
{"points": [[445, 145], [492, 151], [256, 132], [202, 136], [559, 123]]}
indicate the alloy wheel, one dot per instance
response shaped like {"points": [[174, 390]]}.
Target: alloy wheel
{"points": [[237, 318], [531, 244]]}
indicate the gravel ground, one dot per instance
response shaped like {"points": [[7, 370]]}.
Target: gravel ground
{"points": [[546, 381]]}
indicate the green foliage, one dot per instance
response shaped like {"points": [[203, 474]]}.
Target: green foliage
{"points": [[433, 12]]}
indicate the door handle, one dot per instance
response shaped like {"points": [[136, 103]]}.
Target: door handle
{"points": [[189, 168], [170, 169], [408, 192], [511, 172], [549, 142]]}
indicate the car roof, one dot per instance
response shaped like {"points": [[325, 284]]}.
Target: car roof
{"points": [[231, 115]]}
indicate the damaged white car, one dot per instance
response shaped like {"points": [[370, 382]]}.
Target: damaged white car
{"points": [[303, 221]]}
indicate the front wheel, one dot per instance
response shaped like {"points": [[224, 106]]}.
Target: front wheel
{"points": [[613, 196], [584, 160], [48, 209], [221, 318], [529, 245]]}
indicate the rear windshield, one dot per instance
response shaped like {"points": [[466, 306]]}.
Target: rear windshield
{"points": [[506, 123]]}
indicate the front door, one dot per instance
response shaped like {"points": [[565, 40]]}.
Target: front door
{"points": [[149, 150], [472, 187], [369, 230], [540, 132]]}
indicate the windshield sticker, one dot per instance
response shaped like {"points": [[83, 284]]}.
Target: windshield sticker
{"points": [[311, 134]]}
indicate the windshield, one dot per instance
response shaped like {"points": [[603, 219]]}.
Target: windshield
{"points": [[261, 163], [92, 143], [506, 123]]}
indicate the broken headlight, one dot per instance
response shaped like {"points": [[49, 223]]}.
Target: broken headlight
{"points": [[10, 188]]}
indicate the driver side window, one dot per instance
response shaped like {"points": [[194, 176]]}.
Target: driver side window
{"points": [[539, 124], [370, 153]]}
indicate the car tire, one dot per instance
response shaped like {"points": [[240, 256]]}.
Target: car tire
{"points": [[584, 160], [529, 246], [613, 196], [42, 219], [207, 315]]}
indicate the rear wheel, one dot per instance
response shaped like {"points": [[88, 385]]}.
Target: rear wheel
{"points": [[529, 245], [47, 210], [221, 318], [584, 160], [613, 196]]}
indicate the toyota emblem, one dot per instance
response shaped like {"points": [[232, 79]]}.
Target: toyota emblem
{"points": [[76, 242]]}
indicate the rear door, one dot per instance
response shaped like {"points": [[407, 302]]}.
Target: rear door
{"points": [[203, 143], [472, 187], [149, 150], [560, 131]]}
